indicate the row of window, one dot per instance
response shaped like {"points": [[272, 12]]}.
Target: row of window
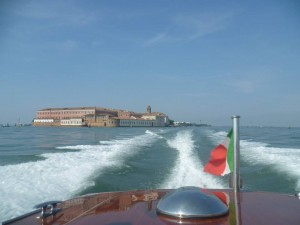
{"points": [[65, 112], [58, 117], [102, 116], [71, 122], [43, 121], [135, 122]]}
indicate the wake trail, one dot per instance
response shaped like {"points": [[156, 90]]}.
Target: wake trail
{"points": [[62, 174], [188, 169], [284, 160]]}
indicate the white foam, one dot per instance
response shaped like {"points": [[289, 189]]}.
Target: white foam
{"points": [[155, 134], [216, 137], [63, 174], [284, 160], [78, 147], [188, 169]]}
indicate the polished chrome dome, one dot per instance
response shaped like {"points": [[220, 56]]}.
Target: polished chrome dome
{"points": [[191, 202]]}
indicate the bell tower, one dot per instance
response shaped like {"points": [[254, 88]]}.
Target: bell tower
{"points": [[149, 109]]}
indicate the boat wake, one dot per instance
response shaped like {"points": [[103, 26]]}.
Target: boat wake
{"points": [[188, 169], [63, 174], [283, 160], [156, 134]]}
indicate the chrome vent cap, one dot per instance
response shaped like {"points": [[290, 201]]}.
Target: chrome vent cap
{"points": [[191, 202]]}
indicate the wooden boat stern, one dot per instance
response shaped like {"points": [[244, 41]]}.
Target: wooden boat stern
{"points": [[139, 207]]}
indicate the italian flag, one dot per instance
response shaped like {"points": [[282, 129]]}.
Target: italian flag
{"points": [[221, 158]]}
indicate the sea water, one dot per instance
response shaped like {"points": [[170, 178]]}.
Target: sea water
{"points": [[55, 163]]}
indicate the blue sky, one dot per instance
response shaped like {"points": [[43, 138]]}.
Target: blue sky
{"points": [[195, 60]]}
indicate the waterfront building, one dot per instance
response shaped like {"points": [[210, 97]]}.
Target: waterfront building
{"points": [[136, 122], [43, 120], [72, 122], [99, 117]]}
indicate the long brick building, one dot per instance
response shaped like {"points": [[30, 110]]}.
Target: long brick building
{"points": [[99, 117]]}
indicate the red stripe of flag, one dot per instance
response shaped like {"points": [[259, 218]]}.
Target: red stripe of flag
{"points": [[217, 162]]}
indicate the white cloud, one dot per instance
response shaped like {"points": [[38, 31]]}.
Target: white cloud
{"points": [[159, 38], [59, 14], [191, 27]]}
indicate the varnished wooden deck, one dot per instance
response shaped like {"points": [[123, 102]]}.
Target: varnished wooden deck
{"points": [[139, 208]]}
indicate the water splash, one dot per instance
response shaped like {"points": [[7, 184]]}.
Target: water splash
{"points": [[188, 169], [62, 174]]}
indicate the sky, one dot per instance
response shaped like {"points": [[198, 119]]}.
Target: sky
{"points": [[199, 61]]}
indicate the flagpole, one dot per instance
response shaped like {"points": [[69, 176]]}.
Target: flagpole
{"points": [[236, 154], [236, 171]]}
